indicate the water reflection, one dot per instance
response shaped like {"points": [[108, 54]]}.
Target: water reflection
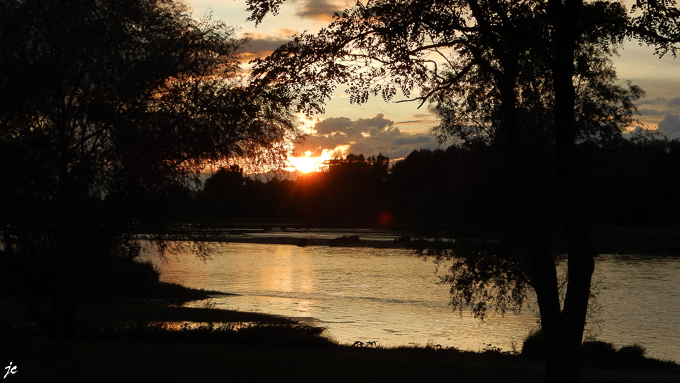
{"points": [[391, 297], [640, 302]]}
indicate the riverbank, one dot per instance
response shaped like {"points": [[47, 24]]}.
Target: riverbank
{"points": [[605, 239], [140, 359], [142, 340]]}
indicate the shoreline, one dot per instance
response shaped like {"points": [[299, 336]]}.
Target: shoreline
{"points": [[125, 340], [645, 241], [306, 241], [204, 355]]}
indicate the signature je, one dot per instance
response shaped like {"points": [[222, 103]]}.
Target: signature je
{"points": [[10, 370]]}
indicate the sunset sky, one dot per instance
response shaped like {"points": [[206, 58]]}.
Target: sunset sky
{"points": [[397, 129]]}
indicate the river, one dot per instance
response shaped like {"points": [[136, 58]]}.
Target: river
{"points": [[391, 296]]}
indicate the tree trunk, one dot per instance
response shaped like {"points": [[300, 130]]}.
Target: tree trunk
{"points": [[541, 259], [562, 364]]}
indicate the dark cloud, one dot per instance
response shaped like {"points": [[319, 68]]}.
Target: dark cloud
{"points": [[261, 45], [420, 119], [367, 136], [353, 129], [670, 126], [653, 101], [658, 108], [316, 144], [413, 140], [318, 9], [334, 124], [673, 103], [651, 112]]}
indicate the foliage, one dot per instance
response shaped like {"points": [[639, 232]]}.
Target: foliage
{"points": [[470, 109], [594, 352], [224, 192], [351, 189], [533, 75], [532, 345], [465, 192], [104, 106], [483, 273]]}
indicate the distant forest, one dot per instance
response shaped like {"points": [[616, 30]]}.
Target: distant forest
{"points": [[458, 190]]}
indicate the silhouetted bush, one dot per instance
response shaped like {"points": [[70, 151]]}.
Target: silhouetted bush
{"points": [[533, 345], [403, 239], [128, 277], [345, 239], [594, 352], [302, 242], [632, 352]]}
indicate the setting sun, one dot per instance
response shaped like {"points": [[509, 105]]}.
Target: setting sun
{"points": [[307, 163]]}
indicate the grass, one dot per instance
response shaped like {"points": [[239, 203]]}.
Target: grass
{"points": [[125, 311], [138, 345], [136, 360], [168, 358], [135, 341], [603, 355]]}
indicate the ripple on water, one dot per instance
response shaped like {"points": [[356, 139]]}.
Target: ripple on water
{"points": [[391, 296]]}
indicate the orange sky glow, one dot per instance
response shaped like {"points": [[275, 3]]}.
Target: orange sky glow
{"points": [[396, 129], [307, 163]]}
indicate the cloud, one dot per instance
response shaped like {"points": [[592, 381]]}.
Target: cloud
{"points": [[656, 105], [353, 129], [420, 120], [659, 110], [334, 124], [670, 126], [318, 10], [261, 44], [653, 101], [651, 112], [367, 136], [414, 139]]}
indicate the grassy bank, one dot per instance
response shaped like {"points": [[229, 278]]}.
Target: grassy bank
{"points": [[131, 359], [168, 361], [133, 342]]}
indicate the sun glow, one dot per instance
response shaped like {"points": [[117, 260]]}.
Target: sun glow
{"points": [[312, 161], [307, 163]]}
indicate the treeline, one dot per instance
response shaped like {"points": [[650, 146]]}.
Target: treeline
{"points": [[349, 190], [458, 190]]}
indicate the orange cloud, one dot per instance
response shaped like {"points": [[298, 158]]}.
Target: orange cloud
{"points": [[368, 136]]}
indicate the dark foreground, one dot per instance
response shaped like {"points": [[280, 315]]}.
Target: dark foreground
{"points": [[134, 345], [130, 360]]}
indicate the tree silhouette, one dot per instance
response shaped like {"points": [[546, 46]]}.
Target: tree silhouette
{"points": [[347, 190], [104, 106], [499, 59], [224, 192]]}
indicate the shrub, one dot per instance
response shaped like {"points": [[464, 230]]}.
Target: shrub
{"points": [[597, 352], [533, 345], [632, 352], [131, 277]]}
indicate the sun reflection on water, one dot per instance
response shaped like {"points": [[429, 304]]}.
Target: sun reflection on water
{"points": [[391, 297]]}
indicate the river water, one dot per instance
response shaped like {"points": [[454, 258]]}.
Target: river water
{"points": [[391, 296]]}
